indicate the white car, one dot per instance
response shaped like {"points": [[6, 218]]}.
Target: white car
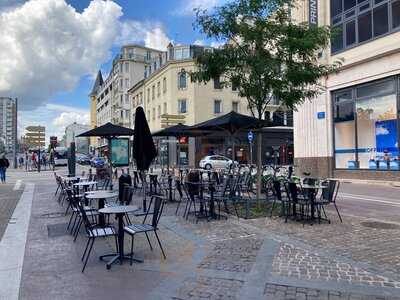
{"points": [[215, 162]]}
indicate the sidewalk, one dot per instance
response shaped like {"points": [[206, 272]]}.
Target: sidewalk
{"points": [[233, 259]]}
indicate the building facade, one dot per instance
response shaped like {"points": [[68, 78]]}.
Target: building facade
{"points": [[168, 97], [352, 129], [8, 124], [109, 98], [34, 137], [81, 143]]}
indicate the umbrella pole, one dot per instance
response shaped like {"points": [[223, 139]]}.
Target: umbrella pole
{"points": [[110, 162]]}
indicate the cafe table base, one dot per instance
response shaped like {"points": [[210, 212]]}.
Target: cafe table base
{"points": [[119, 256]]}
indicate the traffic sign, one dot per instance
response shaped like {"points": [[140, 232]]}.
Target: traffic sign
{"points": [[250, 136]]}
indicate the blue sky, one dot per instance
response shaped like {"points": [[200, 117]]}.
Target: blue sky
{"points": [[52, 49]]}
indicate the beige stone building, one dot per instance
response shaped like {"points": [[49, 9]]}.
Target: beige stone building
{"points": [[351, 130], [169, 97]]}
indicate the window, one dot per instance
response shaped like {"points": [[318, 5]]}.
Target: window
{"points": [[182, 79], [182, 109], [126, 99], [154, 113], [165, 108], [148, 95], [126, 67], [217, 83], [121, 99], [381, 21], [158, 89], [141, 98], [395, 14], [159, 111], [127, 82], [217, 106], [359, 21], [153, 92], [235, 86], [164, 85], [235, 106], [121, 83], [365, 126], [148, 115]]}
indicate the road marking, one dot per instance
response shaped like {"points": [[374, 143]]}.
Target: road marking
{"points": [[17, 185], [12, 246], [363, 198]]}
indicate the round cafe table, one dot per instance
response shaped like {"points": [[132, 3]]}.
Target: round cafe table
{"points": [[312, 191], [101, 196], [119, 211]]}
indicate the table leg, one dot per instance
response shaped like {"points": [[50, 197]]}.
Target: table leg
{"points": [[102, 221], [170, 188]]}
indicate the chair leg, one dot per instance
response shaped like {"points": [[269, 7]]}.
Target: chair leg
{"points": [[133, 237], [159, 243], [326, 216], [147, 236], [88, 254], [86, 248], [70, 220], [337, 210], [78, 227], [272, 208]]}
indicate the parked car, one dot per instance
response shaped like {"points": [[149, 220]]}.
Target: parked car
{"points": [[83, 159], [97, 162], [216, 162]]}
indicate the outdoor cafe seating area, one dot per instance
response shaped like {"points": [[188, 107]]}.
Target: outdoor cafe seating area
{"points": [[132, 206]]}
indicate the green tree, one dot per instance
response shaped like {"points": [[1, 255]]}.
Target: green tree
{"points": [[265, 54]]}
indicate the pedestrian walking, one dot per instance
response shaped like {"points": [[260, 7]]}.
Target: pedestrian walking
{"points": [[21, 162], [4, 164]]}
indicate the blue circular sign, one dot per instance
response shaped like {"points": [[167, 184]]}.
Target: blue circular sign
{"points": [[250, 136]]}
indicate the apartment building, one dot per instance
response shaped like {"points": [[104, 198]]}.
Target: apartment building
{"points": [[168, 97], [109, 98], [34, 137], [71, 133], [352, 129], [8, 124]]}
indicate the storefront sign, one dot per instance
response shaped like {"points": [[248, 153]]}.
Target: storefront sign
{"points": [[313, 12], [321, 115]]}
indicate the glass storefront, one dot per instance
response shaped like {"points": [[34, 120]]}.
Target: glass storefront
{"points": [[366, 126]]}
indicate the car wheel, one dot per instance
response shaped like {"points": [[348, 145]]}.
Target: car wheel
{"points": [[208, 167]]}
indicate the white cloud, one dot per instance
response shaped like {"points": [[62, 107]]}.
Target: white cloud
{"points": [[54, 117], [381, 131], [199, 42], [150, 33], [217, 44], [47, 46], [187, 6]]}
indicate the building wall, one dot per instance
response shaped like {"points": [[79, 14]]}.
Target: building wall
{"points": [[7, 124], [313, 137]]}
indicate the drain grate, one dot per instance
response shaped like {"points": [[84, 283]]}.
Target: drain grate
{"points": [[52, 215], [56, 230], [380, 225]]}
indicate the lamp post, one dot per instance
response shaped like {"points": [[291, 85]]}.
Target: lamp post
{"points": [[15, 133]]}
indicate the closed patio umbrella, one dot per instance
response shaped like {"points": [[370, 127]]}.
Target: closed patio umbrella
{"points": [[144, 150]]}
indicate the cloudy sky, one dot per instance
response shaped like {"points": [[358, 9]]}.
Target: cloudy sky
{"points": [[51, 49]]}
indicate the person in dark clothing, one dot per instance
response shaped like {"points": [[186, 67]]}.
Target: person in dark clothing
{"points": [[4, 164]]}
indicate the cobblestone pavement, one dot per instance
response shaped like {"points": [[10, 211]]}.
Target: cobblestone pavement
{"points": [[236, 255], [209, 288], [351, 239], [285, 292], [292, 261]]}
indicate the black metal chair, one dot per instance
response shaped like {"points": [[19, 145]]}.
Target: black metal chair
{"points": [[328, 196], [298, 200], [93, 232], [158, 206]]}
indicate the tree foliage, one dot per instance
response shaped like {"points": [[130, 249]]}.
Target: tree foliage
{"points": [[266, 55]]}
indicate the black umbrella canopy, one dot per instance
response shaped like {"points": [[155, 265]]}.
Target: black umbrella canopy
{"points": [[144, 150], [178, 131], [108, 130], [231, 122]]}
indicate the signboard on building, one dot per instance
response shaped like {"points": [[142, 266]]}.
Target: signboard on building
{"points": [[321, 115], [250, 136], [313, 12], [120, 152]]}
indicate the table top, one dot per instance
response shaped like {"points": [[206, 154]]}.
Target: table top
{"points": [[101, 194], [83, 183], [120, 209], [312, 186], [66, 178]]}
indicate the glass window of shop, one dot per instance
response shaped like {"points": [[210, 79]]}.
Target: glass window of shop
{"points": [[366, 126]]}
